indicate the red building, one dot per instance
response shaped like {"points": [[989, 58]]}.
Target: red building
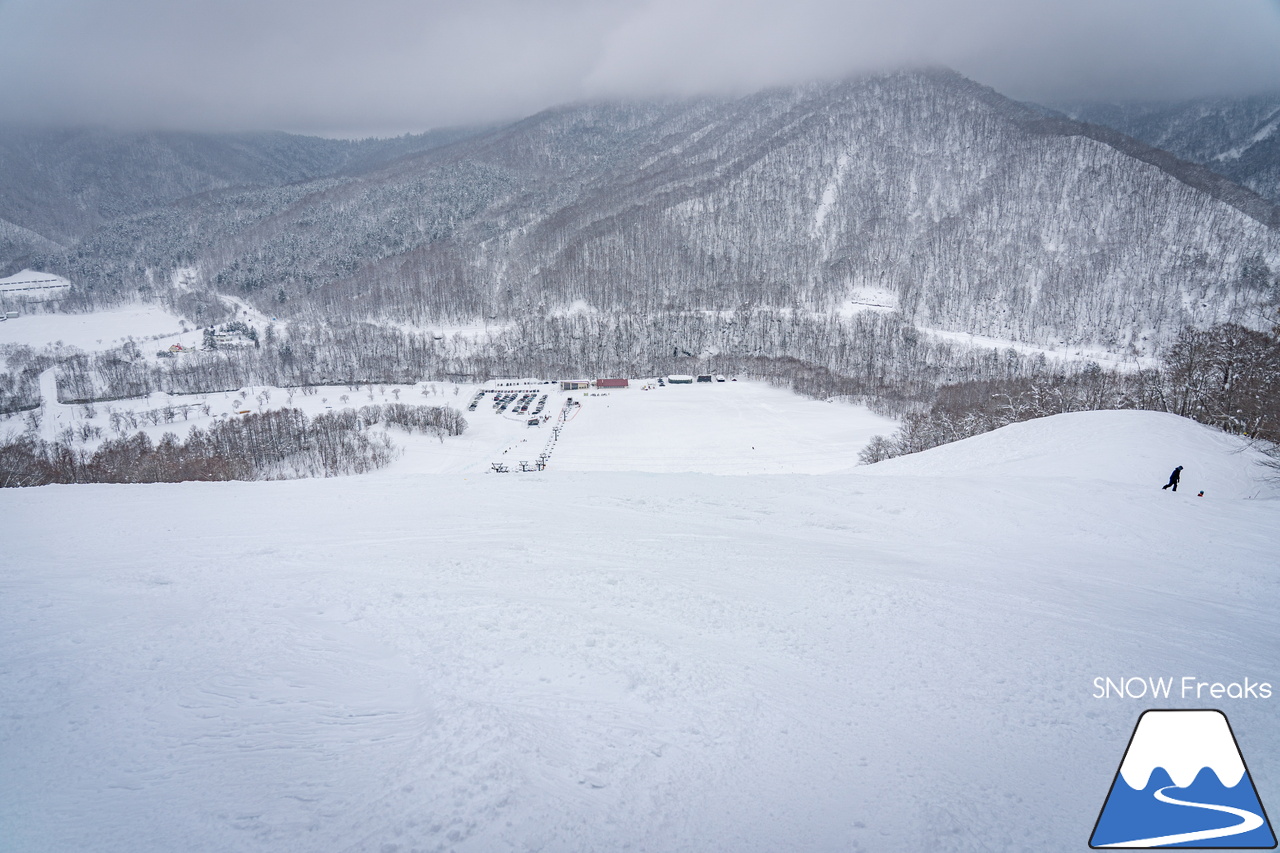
{"points": [[612, 383]]}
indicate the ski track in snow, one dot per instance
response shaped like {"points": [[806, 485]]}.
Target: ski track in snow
{"points": [[896, 658]]}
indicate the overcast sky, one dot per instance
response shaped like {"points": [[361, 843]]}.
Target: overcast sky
{"points": [[377, 66]]}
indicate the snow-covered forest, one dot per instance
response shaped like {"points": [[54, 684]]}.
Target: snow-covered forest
{"points": [[962, 210], [901, 239], [1238, 137]]}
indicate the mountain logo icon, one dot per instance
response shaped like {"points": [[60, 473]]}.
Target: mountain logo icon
{"points": [[1183, 783]]}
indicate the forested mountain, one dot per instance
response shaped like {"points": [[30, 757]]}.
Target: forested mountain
{"points": [[1236, 137], [58, 185], [923, 192], [19, 242], [847, 238]]}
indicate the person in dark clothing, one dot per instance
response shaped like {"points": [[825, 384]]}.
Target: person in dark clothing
{"points": [[1173, 479]]}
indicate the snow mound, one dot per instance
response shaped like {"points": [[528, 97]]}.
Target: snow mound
{"points": [[1123, 447]]}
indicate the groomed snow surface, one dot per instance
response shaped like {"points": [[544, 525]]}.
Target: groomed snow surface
{"points": [[893, 658]]}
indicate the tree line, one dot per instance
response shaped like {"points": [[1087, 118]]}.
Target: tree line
{"points": [[20, 381], [875, 354], [1226, 376], [275, 445]]}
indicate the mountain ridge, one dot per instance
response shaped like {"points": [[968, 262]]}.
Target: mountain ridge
{"points": [[1236, 137], [972, 212], [102, 175], [1194, 175]]}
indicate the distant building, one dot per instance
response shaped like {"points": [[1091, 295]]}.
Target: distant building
{"points": [[36, 286], [679, 379], [612, 383], [575, 384]]}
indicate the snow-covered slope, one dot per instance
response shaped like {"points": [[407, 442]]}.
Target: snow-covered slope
{"points": [[1237, 137], [60, 184], [721, 428], [1119, 448], [882, 660]]}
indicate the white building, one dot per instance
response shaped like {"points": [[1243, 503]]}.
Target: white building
{"points": [[37, 286]]}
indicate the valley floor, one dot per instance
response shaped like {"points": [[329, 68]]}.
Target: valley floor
{"points": [[732, 427]]}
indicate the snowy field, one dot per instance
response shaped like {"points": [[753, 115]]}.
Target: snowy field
{"points": [[893, 658], [716, 428], [149, 325], [721, 428]]}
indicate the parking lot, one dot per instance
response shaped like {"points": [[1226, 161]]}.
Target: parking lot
{"points": [[528, 403]]}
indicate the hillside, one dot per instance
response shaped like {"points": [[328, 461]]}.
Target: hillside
{"points": [[58, 185], [898, 658], [1108, 449], [921, 193], [1236, 137]]}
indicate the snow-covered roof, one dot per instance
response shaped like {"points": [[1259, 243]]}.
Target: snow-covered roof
{"points": [[33, 281]]}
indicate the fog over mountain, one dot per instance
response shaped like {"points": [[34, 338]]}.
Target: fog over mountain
{"points": [[62, 184], [921, 193], [393, 66]]}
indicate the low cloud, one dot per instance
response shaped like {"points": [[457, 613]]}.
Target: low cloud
{"points": [[406, 65]]}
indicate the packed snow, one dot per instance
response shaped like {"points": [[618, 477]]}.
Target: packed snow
{"points": [[892, 658]]}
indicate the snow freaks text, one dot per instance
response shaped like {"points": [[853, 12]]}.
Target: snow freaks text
{"points": [[1186, 687]]}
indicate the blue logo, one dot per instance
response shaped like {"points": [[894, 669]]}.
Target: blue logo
{"points": [[1183, 783]]}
